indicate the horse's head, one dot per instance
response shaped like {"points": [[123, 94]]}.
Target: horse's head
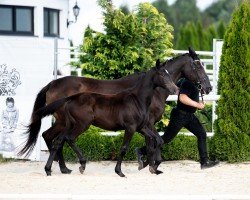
{"points": [[194, 71], [163, 78]]}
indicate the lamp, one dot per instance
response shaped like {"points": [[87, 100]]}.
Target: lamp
{"points": [[76, 11]]}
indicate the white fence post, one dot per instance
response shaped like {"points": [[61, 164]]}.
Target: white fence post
{"points": [[217, 51]]}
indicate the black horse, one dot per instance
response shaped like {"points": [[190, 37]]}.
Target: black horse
{"points": [[186, 65], [127, 110]]}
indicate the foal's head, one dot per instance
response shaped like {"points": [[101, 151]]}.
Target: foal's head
{"points": [[163, 78]]}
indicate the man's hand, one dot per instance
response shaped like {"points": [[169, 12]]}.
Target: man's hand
{"points": [[200, 105], [187, 101]]}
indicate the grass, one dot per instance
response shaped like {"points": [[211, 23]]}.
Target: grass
{"points": [[4, 160]]}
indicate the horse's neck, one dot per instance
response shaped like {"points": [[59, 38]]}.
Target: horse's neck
{"points": [[144, 92], [175, 67]]}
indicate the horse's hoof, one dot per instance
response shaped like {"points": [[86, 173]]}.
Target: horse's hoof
{"points": [[158, 172], [81, 169], [66, 171], [152, 170], [48, 173], [120, 174]]}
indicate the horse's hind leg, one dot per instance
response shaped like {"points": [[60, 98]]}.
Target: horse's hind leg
{"points": [[61, 161], [77, 129], [49, 136], [78, 152], [56, 144]]}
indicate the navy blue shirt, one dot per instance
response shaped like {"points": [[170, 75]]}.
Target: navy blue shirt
{"points": [[188, 88]]}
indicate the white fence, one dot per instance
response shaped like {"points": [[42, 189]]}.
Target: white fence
{"points": [[211, 67]]}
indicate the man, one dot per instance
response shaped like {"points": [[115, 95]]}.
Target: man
{"points": [[183, 116]]}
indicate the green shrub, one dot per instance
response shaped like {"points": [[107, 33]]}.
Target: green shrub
{"points": [[93, 145], [205, 116], [100, 147], [232, 128], [230, 148], [181, 148], [4, 160]]}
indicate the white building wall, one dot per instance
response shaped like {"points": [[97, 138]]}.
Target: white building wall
{"points": [[62, 5], [32, 58], [63, 40]]}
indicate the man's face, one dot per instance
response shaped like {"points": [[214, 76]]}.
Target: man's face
{"points": [[9, 104]]}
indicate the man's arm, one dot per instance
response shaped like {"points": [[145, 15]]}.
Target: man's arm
{"points": [[187, 101]]}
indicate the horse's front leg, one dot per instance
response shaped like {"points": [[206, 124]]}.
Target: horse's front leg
{"points": [[151, 144], [125, 145], [157, 154]]}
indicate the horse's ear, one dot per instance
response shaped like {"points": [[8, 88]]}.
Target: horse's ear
{"points": [[191, 51], [158, 64]]}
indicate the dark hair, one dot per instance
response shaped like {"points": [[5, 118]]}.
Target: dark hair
{"points": [[179, 82], [10, 99]]}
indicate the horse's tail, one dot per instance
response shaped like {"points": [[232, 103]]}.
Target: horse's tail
{"points": [[39, 103], [35, 124]]}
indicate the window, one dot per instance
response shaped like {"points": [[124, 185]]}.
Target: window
{"points": [[51, 22], [16, 20]]}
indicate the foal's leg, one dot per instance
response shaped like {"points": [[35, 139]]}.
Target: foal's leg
{"points": [[78, 152], [48, 136], [152, 143], [126, 140], [56, 144], [61, 161], [79, 128], [157, 152]]}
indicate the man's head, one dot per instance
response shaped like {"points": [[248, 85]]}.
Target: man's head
{"points": [[10, 102]]}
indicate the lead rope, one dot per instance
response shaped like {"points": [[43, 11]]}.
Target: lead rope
{"points": [[199, 84]]}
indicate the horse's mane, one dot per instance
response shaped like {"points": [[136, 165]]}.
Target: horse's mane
{"points": [[174, 58], [136, 74]]}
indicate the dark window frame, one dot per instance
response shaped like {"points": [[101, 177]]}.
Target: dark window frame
{"points": [[49, 34], [14, 31]]}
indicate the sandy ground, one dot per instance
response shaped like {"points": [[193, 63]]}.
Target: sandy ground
{"points": [[99, 178]]}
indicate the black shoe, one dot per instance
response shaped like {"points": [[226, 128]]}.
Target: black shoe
{"points": [[209, 164], [139, 157]]}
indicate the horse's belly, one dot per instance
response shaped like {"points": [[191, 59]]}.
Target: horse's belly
{"points": [[107, 124]]}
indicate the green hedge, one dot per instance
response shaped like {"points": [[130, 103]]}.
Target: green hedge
{"points": [[230, 148], [96, 146]]}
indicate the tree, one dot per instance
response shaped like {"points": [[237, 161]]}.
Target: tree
{"points": [[219, 10], [232, 128], [221, 29], [184, 11], [131, 42], [163, 7]]}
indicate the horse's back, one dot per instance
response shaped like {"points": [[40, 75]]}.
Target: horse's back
{"points": [[71, 85]]}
